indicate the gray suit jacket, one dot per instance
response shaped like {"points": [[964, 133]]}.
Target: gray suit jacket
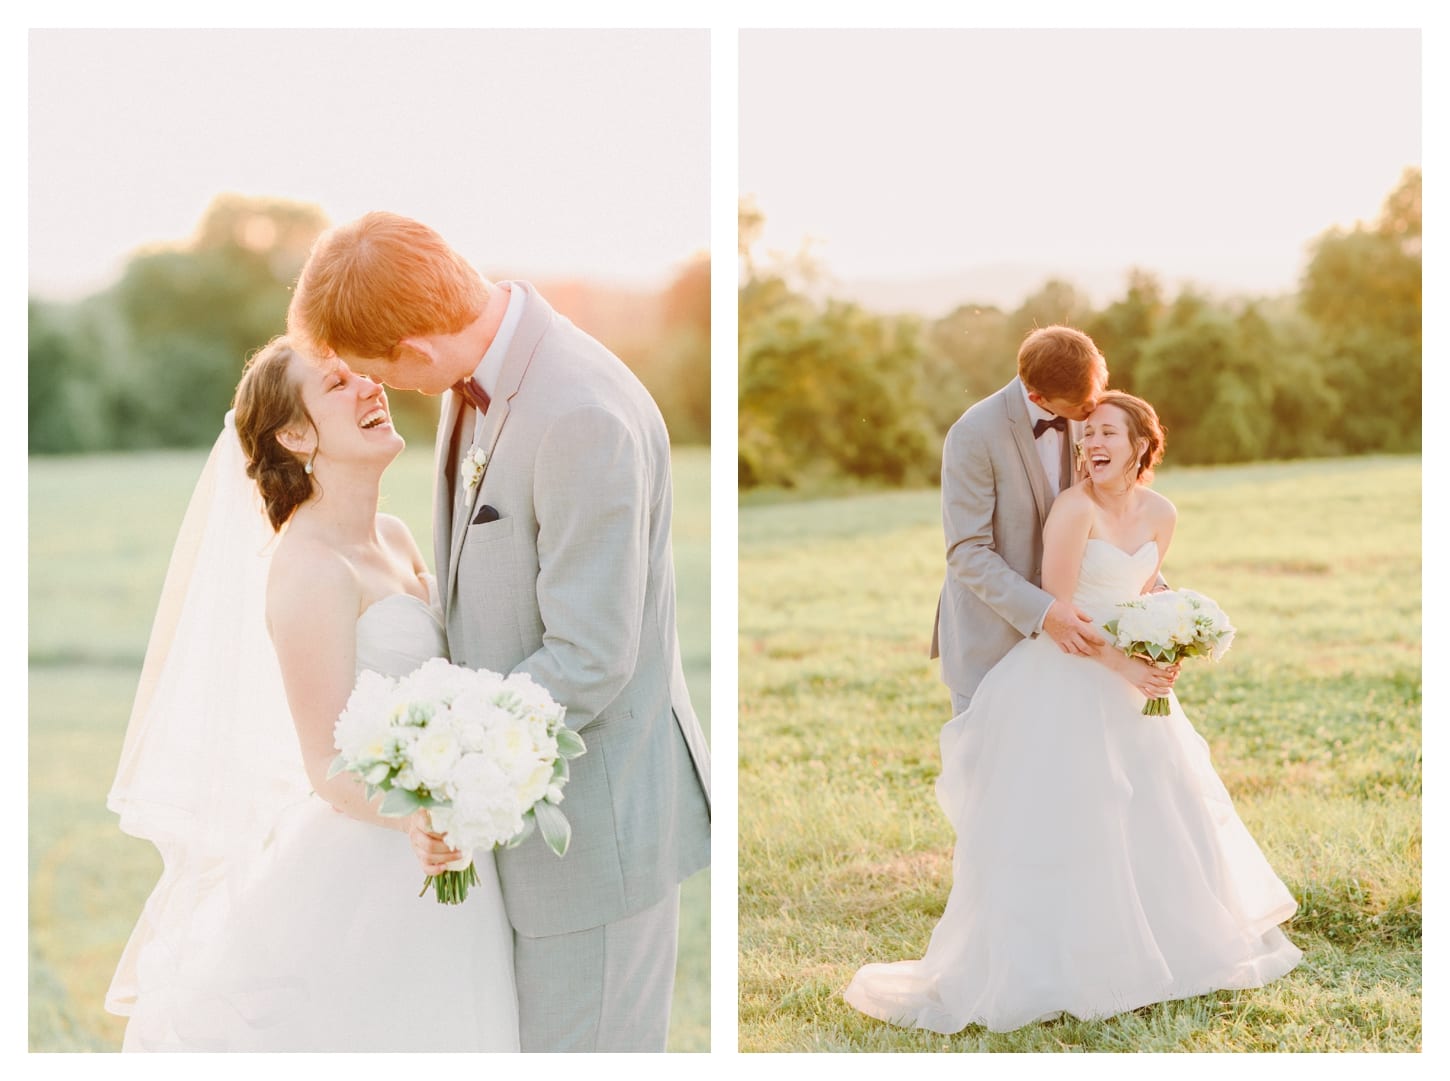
{"points": [[565, 572], [995, 498]]}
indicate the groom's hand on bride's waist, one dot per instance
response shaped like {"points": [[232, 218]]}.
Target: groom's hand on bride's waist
{"points": [[1072, 630]]}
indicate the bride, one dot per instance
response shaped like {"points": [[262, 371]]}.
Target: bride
{"points": [[287, 916], [1099, 864]]}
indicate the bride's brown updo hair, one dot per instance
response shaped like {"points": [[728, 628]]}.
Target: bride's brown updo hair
{"points": [[268, 401], [1143, 423]]}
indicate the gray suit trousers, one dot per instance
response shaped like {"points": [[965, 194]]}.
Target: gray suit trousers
{"points": [[606, 988]]}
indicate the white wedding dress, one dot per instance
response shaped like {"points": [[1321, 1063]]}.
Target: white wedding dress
{"points": [[327, 945], [1099, 863]]}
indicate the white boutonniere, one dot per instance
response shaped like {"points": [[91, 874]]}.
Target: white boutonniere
{"points": [[473, 464]]}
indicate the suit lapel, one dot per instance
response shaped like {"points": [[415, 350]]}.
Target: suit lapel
{"points": [[492, 425], [1021, 427], [536, 319]]}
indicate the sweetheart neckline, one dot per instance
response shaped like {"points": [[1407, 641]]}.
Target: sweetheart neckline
{"points": [[393, 596], [428, 579], [1125, 552]]}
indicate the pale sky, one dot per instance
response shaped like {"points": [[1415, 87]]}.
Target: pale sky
{"points": [[1216, 155], [548, 153]]}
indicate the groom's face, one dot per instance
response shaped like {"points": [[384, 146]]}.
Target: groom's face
{"points": [[409, 370], [1076, 408]]}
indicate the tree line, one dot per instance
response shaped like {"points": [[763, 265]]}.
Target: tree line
{"points": [[153, 360], [829, 389]]}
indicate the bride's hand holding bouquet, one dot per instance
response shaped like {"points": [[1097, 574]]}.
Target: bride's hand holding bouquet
{"points": [[1166, 627]]}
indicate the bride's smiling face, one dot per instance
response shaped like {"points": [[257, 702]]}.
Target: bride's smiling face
{"points": [[350, 413], [1108, 446]]}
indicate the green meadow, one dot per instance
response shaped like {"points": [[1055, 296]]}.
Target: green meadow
{"points": [[1313, 720], [101, 530]]}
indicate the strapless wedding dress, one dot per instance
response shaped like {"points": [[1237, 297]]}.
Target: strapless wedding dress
{"points": [[1099, 863], [329, 947]]}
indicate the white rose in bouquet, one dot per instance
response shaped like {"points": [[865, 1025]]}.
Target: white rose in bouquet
{"points": [[435, 753], [365, 728], [483, 813], [1212, 624], [535, 701]]}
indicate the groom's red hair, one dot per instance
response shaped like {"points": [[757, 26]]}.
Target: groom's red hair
{"points": [[371, 283], [1059, 362]]}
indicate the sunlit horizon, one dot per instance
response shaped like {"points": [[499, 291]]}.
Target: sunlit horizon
{"points": [[1214, 157], [536, 154]]}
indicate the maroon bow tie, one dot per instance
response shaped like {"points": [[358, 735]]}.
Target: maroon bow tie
{"points": [[1060, 423], [475, 394]]}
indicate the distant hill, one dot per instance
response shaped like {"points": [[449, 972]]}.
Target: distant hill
{"points": [[1005, 285]]}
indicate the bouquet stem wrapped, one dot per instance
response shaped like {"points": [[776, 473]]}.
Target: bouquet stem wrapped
{"points": [[486, 755], [1164, 628]]}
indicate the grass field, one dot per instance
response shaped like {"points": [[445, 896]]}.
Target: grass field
{"points": [[1313, 720], [101, 530]]}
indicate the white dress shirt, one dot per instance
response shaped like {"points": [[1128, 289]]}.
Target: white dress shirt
{"points": [[1049, 451], [1049, 443], [491, 366]]}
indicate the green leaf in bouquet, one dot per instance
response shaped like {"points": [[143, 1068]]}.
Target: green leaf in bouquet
{"points": [[339, 765], [523, 834], [399, 802], [554, 827], [1111, 626], [571, 743]]}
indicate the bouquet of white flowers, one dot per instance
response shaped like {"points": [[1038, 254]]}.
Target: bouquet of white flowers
{"points": [[486, 754], [1166, 627]]}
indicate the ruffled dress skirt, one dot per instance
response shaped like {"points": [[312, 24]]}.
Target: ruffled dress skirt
{"points": [[1099, 864]]}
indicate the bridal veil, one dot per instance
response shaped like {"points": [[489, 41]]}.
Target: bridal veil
{"points": [[210, 758]]}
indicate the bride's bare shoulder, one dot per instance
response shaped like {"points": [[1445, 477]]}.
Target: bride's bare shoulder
{"points": [[307, 573], [1073, 502], [1160, 512], [1159, 507], [394, 533], [1070, 518]]}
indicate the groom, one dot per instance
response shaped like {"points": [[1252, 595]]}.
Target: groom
{"points": [[551, 524], [1005, 460]]}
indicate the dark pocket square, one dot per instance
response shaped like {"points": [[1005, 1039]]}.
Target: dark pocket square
{"points": [[485, 514]]}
